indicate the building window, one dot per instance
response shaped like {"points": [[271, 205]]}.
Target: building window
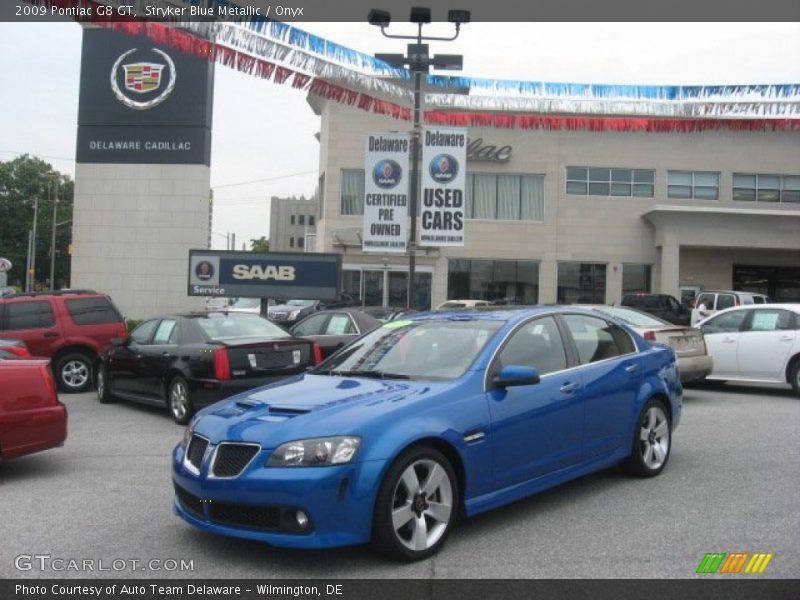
{"points": [[606, 181], [352, 192], [300, 242], [501, 281], [766, 188], [583, 283], [291, 220], [301, 220], [636, 278], [310, 220], [291, 242], [700, 185], [504, 197]]}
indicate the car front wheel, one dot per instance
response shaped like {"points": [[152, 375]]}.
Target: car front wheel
{"points": [[417, 505], [180, 401], [652, 441], [102, 385], [74, 372]]}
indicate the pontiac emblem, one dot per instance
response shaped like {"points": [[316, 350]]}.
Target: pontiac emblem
{"points": [[142, 78]]}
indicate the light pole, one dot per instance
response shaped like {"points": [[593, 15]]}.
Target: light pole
{"points": [[56, 184], [419, 61]]}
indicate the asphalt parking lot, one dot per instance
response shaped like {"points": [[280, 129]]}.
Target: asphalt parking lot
{"points": [[732, 485]]}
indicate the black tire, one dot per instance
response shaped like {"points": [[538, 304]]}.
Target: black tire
{"points": [[425, 467], [652, 441], [73, 372], [102, 385], [179, 400], [794, 377]]}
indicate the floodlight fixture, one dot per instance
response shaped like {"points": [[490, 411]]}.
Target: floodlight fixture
{"points": [[379, 18], [420, 15]]}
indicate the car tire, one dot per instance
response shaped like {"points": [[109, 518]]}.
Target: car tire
{"points": [[417, 505], [73, 372], [102, 385], [179, 400], [794, 377], [652, 441]]}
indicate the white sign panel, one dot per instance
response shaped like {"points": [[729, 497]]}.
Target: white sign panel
{"points": [[386, 193], [444, 161]]}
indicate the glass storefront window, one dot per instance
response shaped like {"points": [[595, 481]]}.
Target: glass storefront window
{"points": [[383, 287], [636, 278], [500, 281], [581, 283]]}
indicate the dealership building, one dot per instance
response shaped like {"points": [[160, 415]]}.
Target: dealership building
{"points": [[582, 213]]}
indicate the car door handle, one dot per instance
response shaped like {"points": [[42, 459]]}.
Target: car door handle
{"points": [[568, 388], [632, 368], [786, 338], [50, 334], [728, 341]]}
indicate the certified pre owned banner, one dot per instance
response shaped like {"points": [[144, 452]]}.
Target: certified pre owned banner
{"points": [[444, 161], [386, 192]]}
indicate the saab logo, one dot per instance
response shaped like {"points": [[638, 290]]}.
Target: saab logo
{"points": [[265, 272], [734, 562], [204, 270], [141, 79], [386, 174], [443, 168]]}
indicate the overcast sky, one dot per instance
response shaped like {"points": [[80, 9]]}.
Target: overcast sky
{"points": [[266, 131]]}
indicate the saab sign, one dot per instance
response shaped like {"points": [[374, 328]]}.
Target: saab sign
{"points": [[264, 275]]}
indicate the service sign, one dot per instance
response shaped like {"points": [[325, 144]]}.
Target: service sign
{"points": [[444, 160], [386, 192], [313, 276]]}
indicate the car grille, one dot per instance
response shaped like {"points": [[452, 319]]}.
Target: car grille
{"points": [[279, 316], [231, 459], [196, 451], [189, 501], [243, 515]]}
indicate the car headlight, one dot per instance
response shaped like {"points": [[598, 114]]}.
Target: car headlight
{"points": [[315, 452], [187, 434], [293, 315]]}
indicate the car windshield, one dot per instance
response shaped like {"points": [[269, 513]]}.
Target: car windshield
{"points": [[414, 350], [300, 303], [632, 317], [220, 327], [247, 303]]}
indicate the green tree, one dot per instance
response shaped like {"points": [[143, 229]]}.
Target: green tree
{"points": [[21, 181], [259, 245]]}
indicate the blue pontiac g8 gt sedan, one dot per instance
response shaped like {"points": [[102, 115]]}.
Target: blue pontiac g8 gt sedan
{"points": [[424, 420]]}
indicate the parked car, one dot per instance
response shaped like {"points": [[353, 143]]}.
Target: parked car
{"points": [[245, 305], [714, 301], [31, 416], [184, 361], [13, 349], [453, 304], [293, 311], [425, 419], [663, 306], [758, 343], [388, 313], [334, 329], [694, 362], [71, 327]]}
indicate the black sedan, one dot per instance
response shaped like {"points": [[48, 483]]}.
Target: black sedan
{"points": [[333, 329], [185, 361]]}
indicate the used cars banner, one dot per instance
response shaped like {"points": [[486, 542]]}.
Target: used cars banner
{"points": [[444, 159], [386, 192]]}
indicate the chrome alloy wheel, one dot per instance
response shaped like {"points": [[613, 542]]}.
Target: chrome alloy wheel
{"points": [[74, 374], [422, 505], [178, 399], [654, 438]]}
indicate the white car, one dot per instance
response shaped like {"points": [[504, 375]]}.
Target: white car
{"points": [[454, 304], [757, 343], [713, 302]]}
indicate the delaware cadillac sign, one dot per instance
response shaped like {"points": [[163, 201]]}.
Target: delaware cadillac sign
{"points": [[266, 275]]}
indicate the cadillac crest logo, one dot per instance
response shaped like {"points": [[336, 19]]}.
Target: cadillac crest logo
{"points": [[142, 79]]}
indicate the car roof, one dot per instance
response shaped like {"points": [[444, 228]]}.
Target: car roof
{"points": [[493, 313]]}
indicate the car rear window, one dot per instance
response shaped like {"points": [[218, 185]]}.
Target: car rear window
{"points": [[92, 311], [641, 301], [28, 315], [219, 326]]}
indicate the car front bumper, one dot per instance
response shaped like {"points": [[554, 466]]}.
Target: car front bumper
{"points": [[337, 500]]}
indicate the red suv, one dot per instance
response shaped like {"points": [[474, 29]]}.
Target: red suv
{"points": [[70, 326]]}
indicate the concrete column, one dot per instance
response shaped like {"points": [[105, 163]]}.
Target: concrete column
{"points": [[670, 266]]}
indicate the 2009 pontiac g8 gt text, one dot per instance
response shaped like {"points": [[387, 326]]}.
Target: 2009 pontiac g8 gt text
{"points": [[426, 419]]}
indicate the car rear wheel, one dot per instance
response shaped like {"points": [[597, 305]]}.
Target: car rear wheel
{"points": [[180, 401], [794, 377], [416, 506], [74, 372], [652, 441], [102, 385]]}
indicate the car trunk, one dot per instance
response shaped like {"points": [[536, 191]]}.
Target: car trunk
{"points": [[247, 357], [685, 341]]}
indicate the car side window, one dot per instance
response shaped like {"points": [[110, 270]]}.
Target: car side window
{"points": [[537, 344], [340, 324], [726, 323], [29, 315], [311, 326], [707, 300], [771, 320], [166, 332], [725, 301], [596, 339], [143, 333]]}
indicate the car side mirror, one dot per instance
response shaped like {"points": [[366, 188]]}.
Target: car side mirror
{"points": [[514, 375]]}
